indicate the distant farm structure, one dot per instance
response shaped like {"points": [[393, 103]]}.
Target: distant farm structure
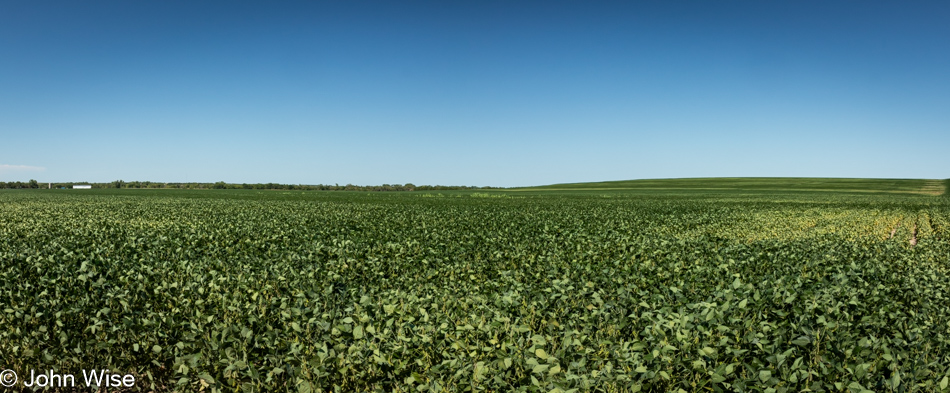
{"points": [[82, 186]]}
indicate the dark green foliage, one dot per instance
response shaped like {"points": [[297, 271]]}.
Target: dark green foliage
{"points": [[266, 291], [220, 185]]}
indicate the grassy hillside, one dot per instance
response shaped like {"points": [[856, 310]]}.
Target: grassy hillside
{"points": [[908, 186]]}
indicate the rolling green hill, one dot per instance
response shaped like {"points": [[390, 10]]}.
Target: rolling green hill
{"points": [[903, 186]]}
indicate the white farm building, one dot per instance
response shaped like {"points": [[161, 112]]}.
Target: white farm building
{"points": [[81, 187]]}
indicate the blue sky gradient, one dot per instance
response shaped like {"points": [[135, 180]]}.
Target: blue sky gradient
{"points": [[472, 93]]}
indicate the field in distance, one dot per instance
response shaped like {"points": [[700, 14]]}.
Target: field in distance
{"points": [[760, 184], [552, 290]]}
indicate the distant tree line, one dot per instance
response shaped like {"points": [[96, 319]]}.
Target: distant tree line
{"points": [[243, 186], [18, 184]]}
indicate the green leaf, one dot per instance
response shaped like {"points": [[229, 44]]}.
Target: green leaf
{"points": [[895, 379], [207, 378], [802, 341], [861, 370], [856, 387], [765, 375]]}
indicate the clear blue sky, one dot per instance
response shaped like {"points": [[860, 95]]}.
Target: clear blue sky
{"points": [[497, 93]]}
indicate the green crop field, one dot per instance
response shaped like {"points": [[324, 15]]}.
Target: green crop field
{"points": [[724, 286], [766, 184]]}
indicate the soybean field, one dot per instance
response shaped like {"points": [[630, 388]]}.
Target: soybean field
{"points": [[718, 290]]}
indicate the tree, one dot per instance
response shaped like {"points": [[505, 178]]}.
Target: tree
{"points": [[34, 184]]}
